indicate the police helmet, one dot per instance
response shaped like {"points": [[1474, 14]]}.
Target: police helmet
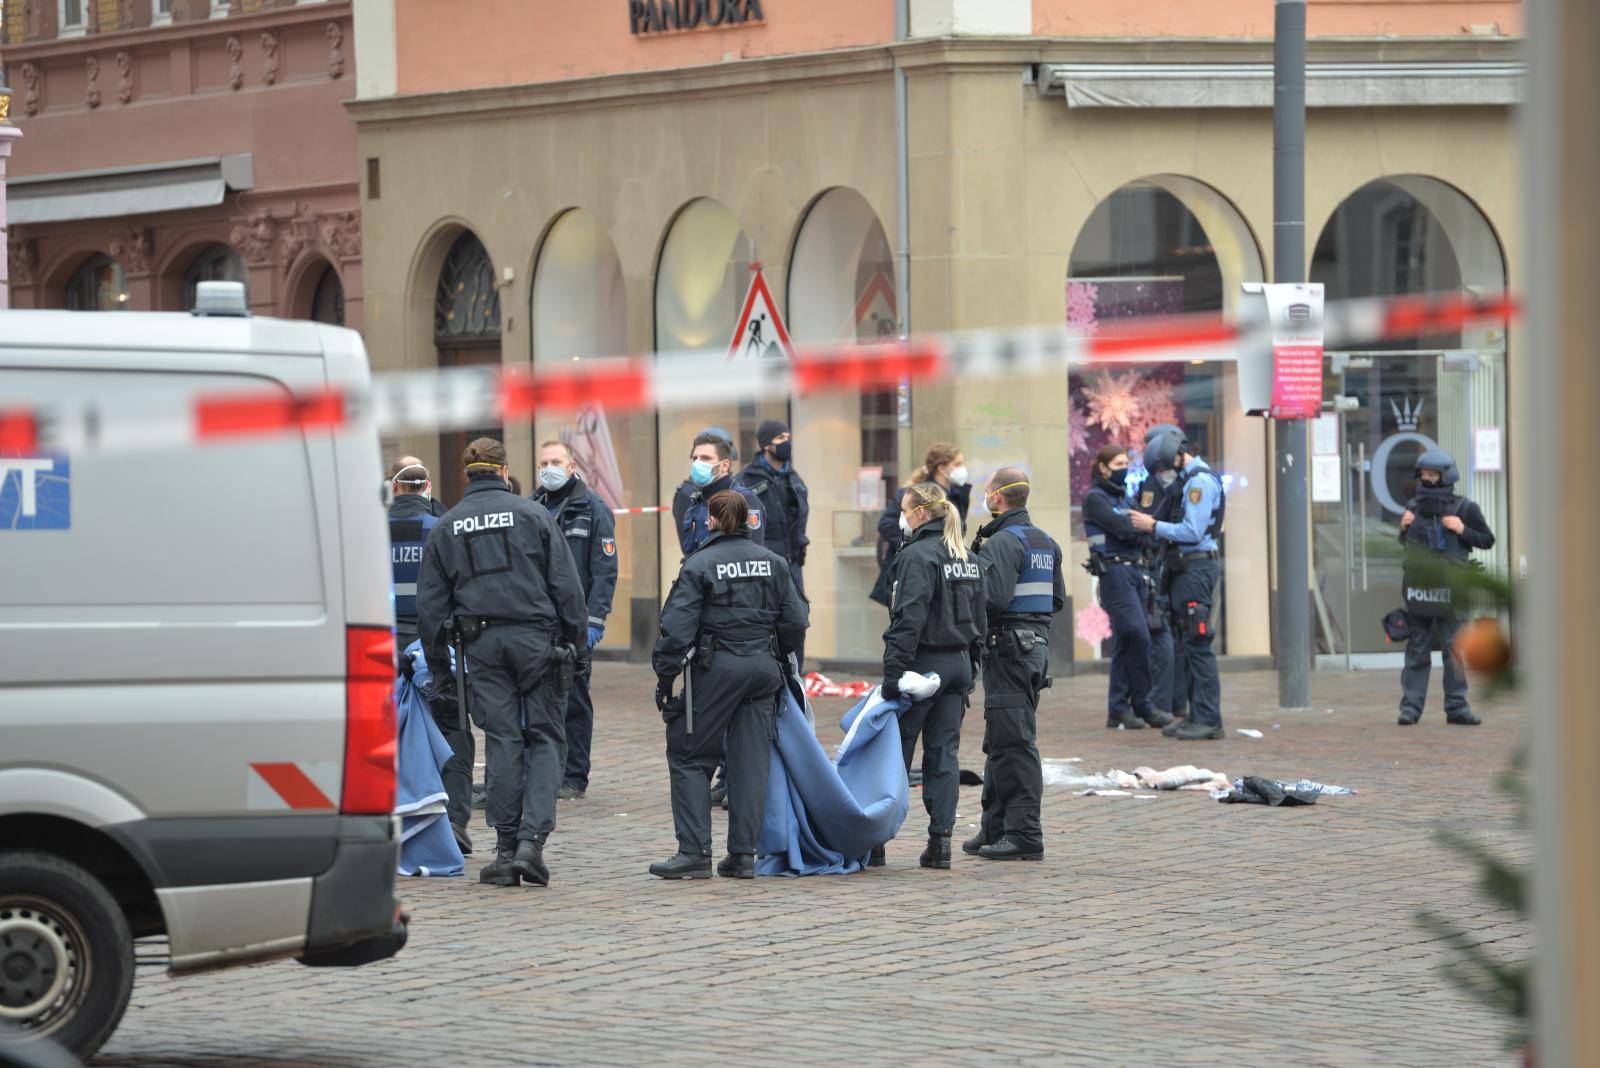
{"points": [[1161, 452], [1162, 428], [1440, 461]]}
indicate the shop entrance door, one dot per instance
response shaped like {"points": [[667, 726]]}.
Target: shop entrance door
{"points": [[1387, 408]]}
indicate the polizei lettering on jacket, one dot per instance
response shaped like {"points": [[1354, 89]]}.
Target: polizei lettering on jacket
{"points": [[958, 569], [745, 569], [473, 523], [1428, 595]]}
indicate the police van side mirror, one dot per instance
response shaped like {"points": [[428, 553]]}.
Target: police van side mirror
{"points": [[220, 299]]}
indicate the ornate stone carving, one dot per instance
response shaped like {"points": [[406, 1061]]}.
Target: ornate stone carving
{"points": [[134, 249], [335, 52], [269, 47], [341, 234], [124, 75], [30, 82], [299, 235], [253, 236], [22, 254], [235, 61], [91, 90]]}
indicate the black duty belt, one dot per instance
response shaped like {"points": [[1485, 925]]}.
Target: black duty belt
{"points": [[1107, 558], [1207, 554]]}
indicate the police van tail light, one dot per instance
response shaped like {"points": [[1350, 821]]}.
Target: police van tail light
{"points": [[370, 738]]}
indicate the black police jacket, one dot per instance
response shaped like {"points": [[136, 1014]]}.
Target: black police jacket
{"points": [[889, 521], [936, 601], [1003, 557], [1427, 530], [786, 502], [691, 512], [736, 591], [502, 557], [591, 532]]}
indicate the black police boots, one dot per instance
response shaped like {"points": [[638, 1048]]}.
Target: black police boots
{"points": [[1199, 732], [1129, 722], [683, 866], [463, 840], [878, 857], [937, 855], [1408, 719], [1157, 718], [1468, 718], [737, 866], [972, 845], [1178, 723], [1007, 849], [529, 863], [500, 871], [570, 792]]}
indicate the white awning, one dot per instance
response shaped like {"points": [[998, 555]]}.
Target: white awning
{"points": [[1249, 85], [120, 191]]}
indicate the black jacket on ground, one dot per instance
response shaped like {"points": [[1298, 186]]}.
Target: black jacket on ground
{"points": [[786, 502], [502, 557], [737, 591], [936, 601], [591, 532], [1002, 556]]}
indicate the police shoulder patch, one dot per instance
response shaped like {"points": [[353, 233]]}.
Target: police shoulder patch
{"points": [[755, 519], [608, 546], [1147, 498], [1194, 495]]}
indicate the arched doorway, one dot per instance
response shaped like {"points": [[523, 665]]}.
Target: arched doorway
{"points": [[1166, 245], [841, 287], [579, 312], [215, 263], [466, 332], [99, 285], [327, 297], [1399, 236]]}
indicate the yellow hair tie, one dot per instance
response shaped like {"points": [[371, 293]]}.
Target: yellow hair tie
{"points": [[481, 463]]}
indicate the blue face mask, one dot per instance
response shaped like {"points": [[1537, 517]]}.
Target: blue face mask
{"points": [[553, 478], [700, 472]]}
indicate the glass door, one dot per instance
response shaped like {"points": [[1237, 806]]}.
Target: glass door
{"points": [[1387, 409]]}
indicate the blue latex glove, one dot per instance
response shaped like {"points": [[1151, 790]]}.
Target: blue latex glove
{"points": [[595, 634]]}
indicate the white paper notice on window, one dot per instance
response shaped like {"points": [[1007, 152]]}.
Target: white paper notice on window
{"points": [[1486, 449], [1327, 479], [869, 489], [1325, 435]]}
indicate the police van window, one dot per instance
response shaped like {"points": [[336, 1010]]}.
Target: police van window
{"points": [[169, 536]]}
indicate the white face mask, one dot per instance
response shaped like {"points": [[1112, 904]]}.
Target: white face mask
{"points": [[905, 525], [958, 475]]}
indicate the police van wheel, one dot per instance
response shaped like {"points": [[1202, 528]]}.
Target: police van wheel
{"points": [[66, 954]]}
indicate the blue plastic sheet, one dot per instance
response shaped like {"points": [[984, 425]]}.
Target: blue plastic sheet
{"points": [[427, 844], [825, 814]]}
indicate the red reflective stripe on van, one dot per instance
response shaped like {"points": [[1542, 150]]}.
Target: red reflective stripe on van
{"points": [[293, 785]]}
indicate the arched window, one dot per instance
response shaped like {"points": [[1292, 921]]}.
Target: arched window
{"points": [[216, 263], [99, 285], [327, 300], [466, 306]]}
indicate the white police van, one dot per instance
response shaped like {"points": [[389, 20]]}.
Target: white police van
{"points": [[197, 739]]}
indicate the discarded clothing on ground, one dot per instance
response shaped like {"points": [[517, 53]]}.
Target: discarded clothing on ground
{"points": [[824, 815], [1181, 777], [1317, 788], [1184, 776], [427, 845], [1254, 790]]}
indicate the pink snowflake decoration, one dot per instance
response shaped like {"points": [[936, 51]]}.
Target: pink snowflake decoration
{"points": [[1112, 402], [1092, 624], [1077, 428], [1081, 314], [1155, 406]]}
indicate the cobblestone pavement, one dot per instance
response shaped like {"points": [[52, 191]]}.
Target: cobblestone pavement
{"points": [[1166, 931]]}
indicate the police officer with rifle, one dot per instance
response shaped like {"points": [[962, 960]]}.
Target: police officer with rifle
{"points": [[498, 582], [1023, 589], [732, 617]]}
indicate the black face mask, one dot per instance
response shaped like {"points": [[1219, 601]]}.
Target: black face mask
{"points": [[1118, 479], [782, 452], [1435, 500]]}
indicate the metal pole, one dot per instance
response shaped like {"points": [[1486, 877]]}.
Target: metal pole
{"points": [[902, 176], [1289, 265]]}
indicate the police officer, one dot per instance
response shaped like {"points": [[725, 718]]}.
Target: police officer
{"points": [[687, 489], [1437, 523], [734, 612], [1157, 496], [586, 522], [937, 623], [1194, 566], [436, 507], [785, 500], [1116, 557], [1023, 589], [711, 472], [497, 572], [411, 520]]}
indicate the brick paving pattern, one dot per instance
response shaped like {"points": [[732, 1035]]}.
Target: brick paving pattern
{"points": [[1168, 931]]}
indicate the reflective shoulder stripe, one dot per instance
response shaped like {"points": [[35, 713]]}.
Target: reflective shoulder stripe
{"points": [[405, 589], [1035, 589]]}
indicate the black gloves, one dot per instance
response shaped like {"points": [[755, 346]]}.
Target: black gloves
{"points": [[440, 693], [800, 556], [663, 691], [890, 689]]}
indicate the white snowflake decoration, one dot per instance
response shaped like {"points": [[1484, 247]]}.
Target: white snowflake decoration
{"points": [[1077, 428], [1081, 313], [1155, 406], [1112, 402]]}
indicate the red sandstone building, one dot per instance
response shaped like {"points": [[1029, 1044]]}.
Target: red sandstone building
{"points": [[173, 141]]}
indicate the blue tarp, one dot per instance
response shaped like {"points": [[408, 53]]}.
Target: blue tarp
{"points": [[824, 815], [427, 845]]}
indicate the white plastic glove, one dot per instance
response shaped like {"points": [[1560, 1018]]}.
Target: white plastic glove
{"points": [[919, 687]]}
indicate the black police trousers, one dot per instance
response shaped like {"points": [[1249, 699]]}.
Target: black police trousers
{"points": [[1193, 594], [735, 715], [937, 721], [1122, 592], [514, 699], [1425, 633], [579, 728], [1013, 779]]}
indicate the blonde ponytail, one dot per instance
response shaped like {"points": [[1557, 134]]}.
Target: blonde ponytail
{"points": [[931, 495]]}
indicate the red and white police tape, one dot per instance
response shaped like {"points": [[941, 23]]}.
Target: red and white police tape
{"points": [[464, 398]]}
